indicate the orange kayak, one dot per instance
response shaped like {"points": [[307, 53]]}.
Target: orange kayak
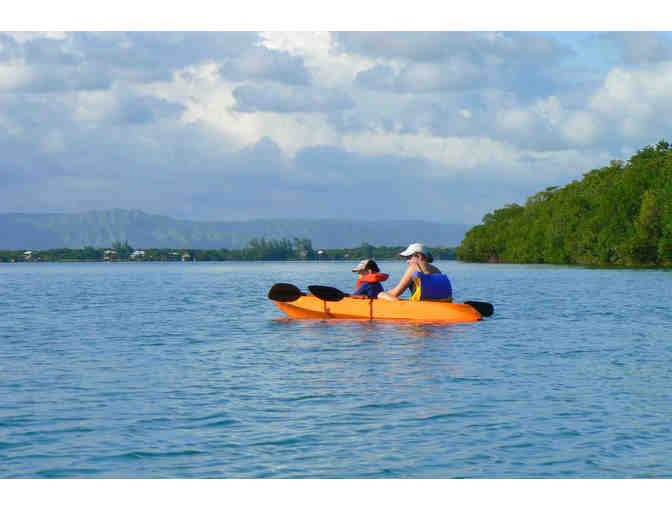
{"points": [[308, 306]]}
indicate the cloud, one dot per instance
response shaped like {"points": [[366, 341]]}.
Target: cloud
{"points": [[635, 104], [14, 75], [640, 48], [379, 77], [432, 46], [96, 60], [265, 64], [448, 61], [454, 73], [441, 125], [132, 108], [279, 98]]}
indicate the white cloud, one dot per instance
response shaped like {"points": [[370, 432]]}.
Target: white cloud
{"points": [[619, 89], [329, 67], [465, 113], [550, 110], [581, 128], [639, 93], [517, 120], [636, 102], [22, 37], [15, 75], [453, 155], [90, 109]]}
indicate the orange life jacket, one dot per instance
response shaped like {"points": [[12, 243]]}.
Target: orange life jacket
{"points": [[371, 278]]}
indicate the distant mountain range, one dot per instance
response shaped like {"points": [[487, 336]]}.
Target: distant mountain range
{"points": [[20, 231]]}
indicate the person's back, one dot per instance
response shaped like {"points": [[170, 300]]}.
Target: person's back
{"points": [[428, 283], [430, 287]]}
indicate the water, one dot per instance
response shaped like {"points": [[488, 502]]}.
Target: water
{"points": [[166, 370]]}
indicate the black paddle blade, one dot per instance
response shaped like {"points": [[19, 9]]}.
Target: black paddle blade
{"points": [[284, 292], [485, 309], [326, 293]]}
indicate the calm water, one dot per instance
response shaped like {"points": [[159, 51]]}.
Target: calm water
{"points": [[188, 370]]}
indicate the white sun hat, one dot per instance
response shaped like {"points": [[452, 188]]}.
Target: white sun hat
{"points": [[412, 249]]}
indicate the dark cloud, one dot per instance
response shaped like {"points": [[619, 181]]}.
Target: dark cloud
{"points": [[437, 46], [445, 61], [284, 99], [379, 77], [95, 60], [54, 52], [265, 64], [639, 48], [161, 52], [134, 109], [10, 49], [424, 46], [263, 155]]}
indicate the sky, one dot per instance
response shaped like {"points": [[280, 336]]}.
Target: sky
{"points": [[366, 117]]}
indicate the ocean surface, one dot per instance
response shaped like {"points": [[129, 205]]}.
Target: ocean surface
{"points": [[187, 370]]}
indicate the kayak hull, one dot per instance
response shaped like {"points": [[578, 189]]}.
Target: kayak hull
{"points": [[310, 307]]}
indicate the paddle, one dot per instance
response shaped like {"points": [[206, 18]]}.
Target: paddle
{"points": [[485, 309], [333, 294], [326, 293], [284, 292]]}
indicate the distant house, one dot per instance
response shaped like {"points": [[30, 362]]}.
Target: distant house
{"points": [[27, 255], [137, 254]]}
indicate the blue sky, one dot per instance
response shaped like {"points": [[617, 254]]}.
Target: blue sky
{"points": [[224, 125]]}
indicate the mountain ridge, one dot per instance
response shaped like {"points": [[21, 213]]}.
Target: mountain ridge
{"points": [[101, 228]]}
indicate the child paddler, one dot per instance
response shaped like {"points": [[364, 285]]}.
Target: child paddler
{"points": [[368, 283]]}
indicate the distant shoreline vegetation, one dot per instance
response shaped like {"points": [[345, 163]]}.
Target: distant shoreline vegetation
{"points": [[618, 216], [256, 249]]}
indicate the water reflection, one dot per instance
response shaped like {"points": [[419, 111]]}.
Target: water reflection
{"points": [[367, 330], [401, 354]]}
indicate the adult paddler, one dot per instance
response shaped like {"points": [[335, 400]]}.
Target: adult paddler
{"points": [[425, 281]]}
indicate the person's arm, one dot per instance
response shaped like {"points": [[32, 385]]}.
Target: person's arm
{"points": [[393, 294]]}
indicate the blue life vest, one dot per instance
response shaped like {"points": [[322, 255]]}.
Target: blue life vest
{"points": [[431, 287]]}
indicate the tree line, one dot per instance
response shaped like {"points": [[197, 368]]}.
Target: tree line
{"points": [[618, 215], [255, 249]]}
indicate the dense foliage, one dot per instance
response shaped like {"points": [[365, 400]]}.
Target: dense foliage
{"points": [[618, 215], [256, 249]]}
